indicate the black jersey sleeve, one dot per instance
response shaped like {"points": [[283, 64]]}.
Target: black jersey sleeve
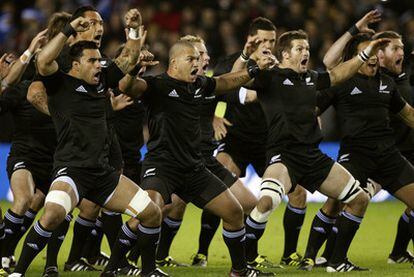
{"points": [[113, 75], [207, 85], [397, 103], [150, 91], [9, 99], [325, 98], [262, 79], [323, 80], [52, 82]]}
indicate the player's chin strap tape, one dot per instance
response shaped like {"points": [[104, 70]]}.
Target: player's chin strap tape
{"points": [[138, 203], [273, 188], [60, 198], [351, 190]]}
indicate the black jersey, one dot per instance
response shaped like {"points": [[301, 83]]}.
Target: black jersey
{"points": [[79, 113], [207, 109], [129, 128], [248, 121], [404, 135], [363, 105], [288, 100], [173, 108], [34, 135]]}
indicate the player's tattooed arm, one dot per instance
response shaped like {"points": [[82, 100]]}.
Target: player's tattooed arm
{"points": [[136, 35], [37, 96], [230, 81], [45, 62]]}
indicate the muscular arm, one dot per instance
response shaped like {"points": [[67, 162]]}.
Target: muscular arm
{"points": [[36, 95], [45, 62], [231, 81], [407, 115], [132, 86], [334, 54], [129, 55]]}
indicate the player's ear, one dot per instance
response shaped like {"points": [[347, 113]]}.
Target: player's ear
{"points": [[380, 54], [285, 55], [75, 65]]}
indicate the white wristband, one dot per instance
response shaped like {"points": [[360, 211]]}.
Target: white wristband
{"points": [[133, 34], [242, 95], [25, 57]]}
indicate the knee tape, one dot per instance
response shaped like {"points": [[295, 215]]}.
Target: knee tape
{"points": [[351, 190], [138, 203], [274, 189], [60, 198]]}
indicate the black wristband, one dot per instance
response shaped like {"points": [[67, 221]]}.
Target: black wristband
{"points": [[68, 30], [134, 72], [253, 70], [353, 30]]}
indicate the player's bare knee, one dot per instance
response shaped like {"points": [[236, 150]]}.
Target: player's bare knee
{"points": [[151, 215], [53, 215], [360, 202], [21, 204], [298, 197], [234, 216], [265, 204]]}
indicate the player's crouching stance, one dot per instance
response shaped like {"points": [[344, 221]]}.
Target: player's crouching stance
{"points": [[77, 106]]}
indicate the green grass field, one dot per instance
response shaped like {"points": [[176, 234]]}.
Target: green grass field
{"points": [[370, 248]]}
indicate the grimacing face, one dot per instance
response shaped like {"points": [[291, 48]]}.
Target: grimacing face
{"points": [[187, 64], [204, 57], [393, 56], [95, 31], [370, 67], [297, 57], [89, 67]]}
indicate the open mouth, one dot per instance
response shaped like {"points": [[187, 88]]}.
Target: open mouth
{"points": [[98, 38], [194, 72], [372, 64], [304, 62], [205, 67], [96, 77], [399, 62]]}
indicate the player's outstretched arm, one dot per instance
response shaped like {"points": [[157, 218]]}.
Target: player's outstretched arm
{"points": [[45, 62], [18, 68], [346, 70], [136, 35], [37, 96], [334, 54]]}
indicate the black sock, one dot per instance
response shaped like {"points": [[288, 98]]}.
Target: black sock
{"points": [[28, 219], [411, 222], [292, 223], [134, 254], [169, 228], [347, 225], [81, 230], [125, 240], [56, 240], [319, 233], [330, 244], [2, 235], [254, 231], [209, 225], [112, 222], [13, 225], [403, 237], [147, 243], [92, 247], [235, 241], [35, 241]]}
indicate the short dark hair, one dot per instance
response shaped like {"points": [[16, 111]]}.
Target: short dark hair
{"points": [[351, 48], [387, 34], [56, 23], [76, 50], [284, 42], [81, 11], [261, 23]]}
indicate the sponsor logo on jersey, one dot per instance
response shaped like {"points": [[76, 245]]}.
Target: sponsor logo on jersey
{"points": [[356, 91], [343, 158], [81, 89], [173, 94], [308, 81], [197, 93], [276, 158], [61, 171], [287, 82]]}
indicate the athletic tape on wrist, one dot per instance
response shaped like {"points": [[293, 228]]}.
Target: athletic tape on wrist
{"points": [[363, 56], [133, 34], [28, 56]]}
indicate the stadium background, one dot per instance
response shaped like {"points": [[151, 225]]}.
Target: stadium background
{"points": [[223, 25]]}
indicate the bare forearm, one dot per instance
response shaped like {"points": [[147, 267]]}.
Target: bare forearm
{"points": [[334, 54], [407, 115], [344, 71], [49, 53], [231, 81], [238, 65], [128, 58], [132, 86]]}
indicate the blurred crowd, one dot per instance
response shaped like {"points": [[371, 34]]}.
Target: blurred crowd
{"points": [[222, 23]]}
